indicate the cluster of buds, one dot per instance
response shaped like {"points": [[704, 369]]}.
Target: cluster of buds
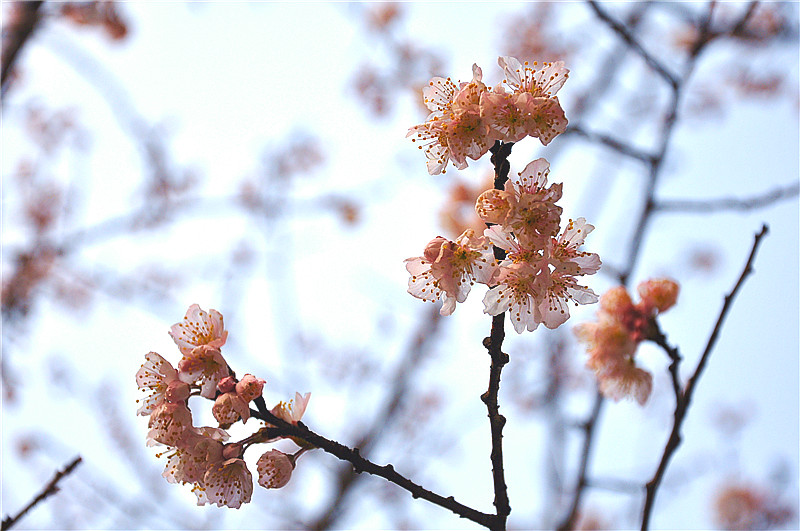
{"points": [[538, 277], [466, 119], [201, 456], [615, 336]]}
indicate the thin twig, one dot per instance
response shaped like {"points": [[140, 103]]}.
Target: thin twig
{"points": [[360, 464], [703, 206], [682, 405], [623, 148], [24, 19], [49, 489]]}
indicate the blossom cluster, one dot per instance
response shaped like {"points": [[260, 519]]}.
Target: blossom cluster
{"points": [[538, 277], [201, 456], [614, 337], [466, 119]]}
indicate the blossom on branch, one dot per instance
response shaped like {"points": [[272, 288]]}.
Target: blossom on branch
{"points": [[199, 328], [466, 119]]}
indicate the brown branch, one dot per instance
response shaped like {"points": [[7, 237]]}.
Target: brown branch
{"points": [[24, 18], [701, 206], [360, 464], [682, 404], [494, 344], [347, 479], [49, 489]]}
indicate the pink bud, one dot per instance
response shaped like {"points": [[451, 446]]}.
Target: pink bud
{"points": [[226, 384]]}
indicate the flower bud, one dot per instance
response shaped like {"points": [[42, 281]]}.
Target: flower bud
{"points": [[274, 469]]}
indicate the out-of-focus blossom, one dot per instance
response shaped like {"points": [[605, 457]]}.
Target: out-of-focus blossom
{"points": [[612, 340]]}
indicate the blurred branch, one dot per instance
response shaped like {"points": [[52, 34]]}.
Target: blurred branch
{"points": [[620, 147], [49, 489], [24, 17], [703, 206], [347, 478], [635, 45], [685, 398], [588, 441]]}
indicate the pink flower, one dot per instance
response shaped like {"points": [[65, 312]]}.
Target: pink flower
{"points": [[455, 129], [519, 292], [274, 469], [203, 364], [527, 207], [539, 82], [613, 339], [229, 407], [625, 380], [658, 295], [198, 450], [250, 387], [448, 269], [168, 424], [228, 483], [538, 113], [293, 410], [159, 377], [199, 328], [537, 284]]}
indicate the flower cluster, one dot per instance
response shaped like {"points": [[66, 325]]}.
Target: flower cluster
{"points": [[615, 336], [202, 456], [466, 119], [538, 277]]}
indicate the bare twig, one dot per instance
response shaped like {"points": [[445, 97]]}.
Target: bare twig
{"points": [[360, 464], [701, 206], [682, 405], [619, 146], [24, 18], [49, 489]]}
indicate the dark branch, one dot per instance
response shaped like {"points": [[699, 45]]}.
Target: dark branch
{"points": [[619, 146], [682, 405], [360, 464], [24, 18], [633, 42], [49, 489]]}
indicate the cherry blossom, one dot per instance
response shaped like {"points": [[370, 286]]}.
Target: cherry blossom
{"points": [[159, 377], [228, 483], [448, 269], [199, 328], [274, 469], [168, 424], [293, 410], [204, 364]]}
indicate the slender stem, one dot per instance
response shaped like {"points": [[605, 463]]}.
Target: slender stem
{"points": [[684, 399], [49, 489]]}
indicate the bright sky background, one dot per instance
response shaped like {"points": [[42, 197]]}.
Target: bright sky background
{"points": [[227, 82]]}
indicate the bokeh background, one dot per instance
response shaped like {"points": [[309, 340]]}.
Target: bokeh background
{"points": [[250, 157]]}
